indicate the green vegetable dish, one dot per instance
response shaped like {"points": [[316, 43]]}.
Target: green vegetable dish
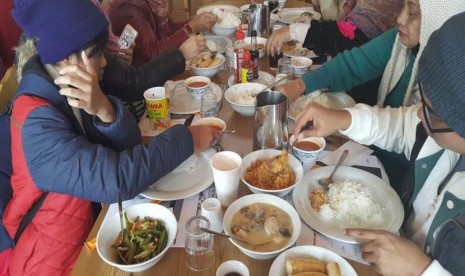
{"points": [[143, 239]]}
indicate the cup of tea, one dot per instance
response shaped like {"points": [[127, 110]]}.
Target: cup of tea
{"points": [[308, 149], [197, 86], [232, 268]]}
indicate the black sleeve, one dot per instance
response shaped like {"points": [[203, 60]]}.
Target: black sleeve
{"points": [[129, 82], [325, 38]]}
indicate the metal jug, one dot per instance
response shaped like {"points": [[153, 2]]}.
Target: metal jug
{"points": [[271, 121], [259, 20]]}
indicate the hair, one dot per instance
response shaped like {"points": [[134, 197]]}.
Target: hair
{"points": [[98, 43]]}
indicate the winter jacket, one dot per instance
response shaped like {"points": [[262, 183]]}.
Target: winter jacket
{"points": [[157, 32], [394, 129], [50, 153]]}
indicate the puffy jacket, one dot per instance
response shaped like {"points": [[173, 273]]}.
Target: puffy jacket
{"points": [[156, 33], [51, 154]]}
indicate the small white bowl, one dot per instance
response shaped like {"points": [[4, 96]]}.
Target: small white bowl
{"points": [[223, 31], [308, 157], [300, 65], [240, 203], [232, 266], [197, 91], [267, 154], [211, 121], [260, 40], [233, 93], [209, 71], [111, 228]]}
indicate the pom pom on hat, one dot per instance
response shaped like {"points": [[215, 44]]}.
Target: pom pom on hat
{"points": [[442, 72], [60, 27]]}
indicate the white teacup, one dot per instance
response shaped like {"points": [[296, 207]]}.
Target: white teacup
{"points": [[308, 149], [226, 167], [231, 267], [211, 209]]}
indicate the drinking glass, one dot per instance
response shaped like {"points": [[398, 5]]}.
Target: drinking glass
{"points": [[199, 244], [274, 58], [208, 105]]}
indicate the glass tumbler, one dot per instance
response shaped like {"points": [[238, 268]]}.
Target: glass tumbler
{"points": [[208, 105], [199, 244]]}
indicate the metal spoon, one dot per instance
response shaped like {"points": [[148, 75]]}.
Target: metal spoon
{"points": [[271, 85], [289, 149], [324, 182], [229, 237]]}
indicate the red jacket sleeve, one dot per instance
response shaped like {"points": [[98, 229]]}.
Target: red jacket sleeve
{"points": [[149, 42]]}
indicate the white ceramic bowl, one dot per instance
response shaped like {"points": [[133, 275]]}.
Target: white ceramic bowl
{"points": [[300, 65], [111, 228], [223, 31], [233, 94], [240, 203], [232, 266], [197, 91], [260, 40], [267, 154], [308, 156], [211, 121], [209, 71]]}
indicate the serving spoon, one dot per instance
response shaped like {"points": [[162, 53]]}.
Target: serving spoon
{"points": [[230, 237], [324, 182]]}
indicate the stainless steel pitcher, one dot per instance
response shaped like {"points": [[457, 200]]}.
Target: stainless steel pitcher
{"points": [[259, 20], [271, 121]]}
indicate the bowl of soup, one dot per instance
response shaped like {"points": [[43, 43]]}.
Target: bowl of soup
{"points": [[271, 171], [308, 149], [262, 225], [197, 86]]}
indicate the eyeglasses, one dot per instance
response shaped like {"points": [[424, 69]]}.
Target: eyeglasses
{"points": [[435, 123]]}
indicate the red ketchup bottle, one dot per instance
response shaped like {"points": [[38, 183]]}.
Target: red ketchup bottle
{"points": [[239, 49]]}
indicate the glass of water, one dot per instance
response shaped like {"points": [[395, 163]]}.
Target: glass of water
{"points": [[208, 105], [199, 244]]}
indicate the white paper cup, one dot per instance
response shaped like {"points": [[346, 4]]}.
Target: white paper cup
{"points": [[226, 167], [211, 209]]}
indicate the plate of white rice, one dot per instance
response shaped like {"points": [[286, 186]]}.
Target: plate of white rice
{"points": [[356, 199], [336, 100]]}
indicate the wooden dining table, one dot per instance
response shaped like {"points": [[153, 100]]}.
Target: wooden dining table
{"points": [[173, 263]]}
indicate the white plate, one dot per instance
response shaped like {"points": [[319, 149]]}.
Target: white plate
{"points": [[305, 53], [288, 16], [264, 78], [338, 100], [189, 178], [278, 268], [223, 43], [382, 194], [185, 103], [226, 8]]}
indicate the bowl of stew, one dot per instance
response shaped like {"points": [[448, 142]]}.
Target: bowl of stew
{"points": [[197, 86], [262, 225], [308, 149]]}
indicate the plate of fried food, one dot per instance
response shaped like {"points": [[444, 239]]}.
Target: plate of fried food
{"points": [[205, 64], [310, 260], [295, 49], [271, 171], [356, 199]]}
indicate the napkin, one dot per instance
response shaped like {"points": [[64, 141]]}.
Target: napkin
{"points": [[357, 152]]}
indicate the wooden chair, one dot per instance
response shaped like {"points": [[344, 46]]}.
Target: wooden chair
{"points": [[8, 88]]}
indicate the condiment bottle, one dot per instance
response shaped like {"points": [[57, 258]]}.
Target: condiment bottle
{"points": [[239, 50], [246, 69], [254, 53]]}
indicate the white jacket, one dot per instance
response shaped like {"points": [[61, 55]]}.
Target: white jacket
{"points": [[394, 129]]}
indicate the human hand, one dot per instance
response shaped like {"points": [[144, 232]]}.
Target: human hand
{"points": [[203, 22], [203, 137], [292, 89], [276, 40], [127, 54], [84, 91], [324, 121], [193, 46], [390, 254]]}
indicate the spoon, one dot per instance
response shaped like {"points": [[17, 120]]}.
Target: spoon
{"points": [[212, 47], [329, 180], [271, 85], [121, 219], [229, 237], [289, 149]]}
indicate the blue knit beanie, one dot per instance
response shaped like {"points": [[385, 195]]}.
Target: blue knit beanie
{"points": [[442, 72], [60, 27]]}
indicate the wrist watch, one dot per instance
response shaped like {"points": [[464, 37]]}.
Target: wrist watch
{"points": [[188, 29]]}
